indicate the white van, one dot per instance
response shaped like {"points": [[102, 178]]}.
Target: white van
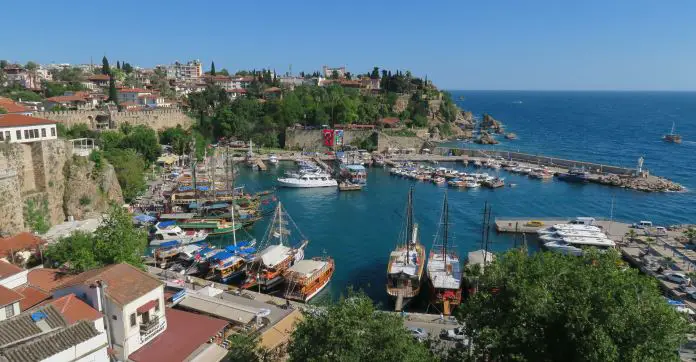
{"points": [[583, 221], [643, 224]]}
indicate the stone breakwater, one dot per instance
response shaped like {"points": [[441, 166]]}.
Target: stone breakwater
{"points": [[645, 184]]}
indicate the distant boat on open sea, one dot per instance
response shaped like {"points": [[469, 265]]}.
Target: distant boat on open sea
{"points": [[672, 137]]}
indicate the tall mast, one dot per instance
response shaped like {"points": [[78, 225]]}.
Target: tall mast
{"points": [[234, 229], [445, 211], [280, 223], [409, 224]]}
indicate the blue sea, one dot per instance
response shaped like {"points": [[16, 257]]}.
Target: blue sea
{"points": [[360, 229]]}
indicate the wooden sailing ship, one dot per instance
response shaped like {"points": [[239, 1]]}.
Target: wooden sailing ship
{"points": [[307, 278], [444, 270], [406, 262], [278, 251], [672, 137]]}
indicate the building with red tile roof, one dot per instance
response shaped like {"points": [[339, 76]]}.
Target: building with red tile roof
{"points": [[47, 279], [9, 303], [11, 106], [74, 310], [185, 334], [19, 128], [31, 296], [390, 122], [20, 242]]}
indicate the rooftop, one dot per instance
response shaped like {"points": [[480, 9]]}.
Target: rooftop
{"points": [[47, 279], [134, 90], [19, 120], [219, 307], [23, 327], [32, 296], [43, 345], [74, 310], [476, 257], [7, 269], [19, 242], [185, 333], [8, 296], [306, 268], [11, 106], [125, 283], [98, 77], [279, 333]]}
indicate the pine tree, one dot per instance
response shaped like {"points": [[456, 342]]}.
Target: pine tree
{"points": [[212, 68], [105, 66], [113, 96]]}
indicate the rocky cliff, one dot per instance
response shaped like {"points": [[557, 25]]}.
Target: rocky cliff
{"points": [[43, 180]]}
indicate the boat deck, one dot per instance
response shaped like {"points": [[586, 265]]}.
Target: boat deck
{"points": [[440, 276]]}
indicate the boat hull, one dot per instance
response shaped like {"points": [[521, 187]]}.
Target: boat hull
{"points": [[305, 185]]}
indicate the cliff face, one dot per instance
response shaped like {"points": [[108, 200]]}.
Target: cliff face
{"points": [[47, 175], [88, 189]]}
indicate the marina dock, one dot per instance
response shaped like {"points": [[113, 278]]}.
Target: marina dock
{"points": [[615, 230], [323, 165]]}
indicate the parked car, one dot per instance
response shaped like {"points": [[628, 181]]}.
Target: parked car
{"points": [[418, 333], [679, 278], [456, 334], [686, 289]]}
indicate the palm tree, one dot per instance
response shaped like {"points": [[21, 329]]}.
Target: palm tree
{"points": [[690, 234], [631, 235]]}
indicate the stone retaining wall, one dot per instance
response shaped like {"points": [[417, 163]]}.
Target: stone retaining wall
{"points": [[157, 118]]}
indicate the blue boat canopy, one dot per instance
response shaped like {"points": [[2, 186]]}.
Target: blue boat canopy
{"points": [[166, 223], [221, 256], [674, 302], [355, 167], [221, 205], [247, 251], [193, 205], [240, 244], [185, 188], [203, 188], [456, 179]]}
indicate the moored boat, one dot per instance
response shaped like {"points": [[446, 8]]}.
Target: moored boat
{"points": [[278, 252], [307, 278], [212, 227], [166, 231], [577, 175], [347, 186], [672, 137], [308, 181], [406, 263], [443, 271]]}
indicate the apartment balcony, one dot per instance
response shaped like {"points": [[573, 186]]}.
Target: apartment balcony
{"points": [[151, 328]]}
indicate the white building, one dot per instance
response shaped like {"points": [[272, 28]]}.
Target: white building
{"points": [[11, 276], [131, 300], [184, 71], [18, 128]]}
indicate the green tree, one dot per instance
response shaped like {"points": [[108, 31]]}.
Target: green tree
{"points": [[118, 65], [178, 138], [118, 75], [553, 307], [245, 348], [4, 63], [130, 171], [127, 68], [36, 215], [352, 330], [105, 66], [631, 235], [375, 73], [116, 240], [690, 235], [113, 94], [3, 110], [110, 140], [142, 139], [75, 251], [212, 69]]}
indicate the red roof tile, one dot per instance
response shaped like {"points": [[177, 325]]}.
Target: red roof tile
{"points": [[32, 296], [11, 106], [237, 90], [18, 120], [75, 310], [8, 296], [61, 99], [21, 241], [184, 334], [47, 279], [98, 77], [390, 120], [125, 283], [7, 269], [272, 90]]}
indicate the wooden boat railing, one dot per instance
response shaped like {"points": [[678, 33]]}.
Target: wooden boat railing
{"points": [[406, 293]]}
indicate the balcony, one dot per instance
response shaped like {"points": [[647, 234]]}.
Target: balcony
{"points": [[151, 328]]}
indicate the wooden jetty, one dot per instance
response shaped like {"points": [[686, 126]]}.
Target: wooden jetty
{"points": [[260, 164]]}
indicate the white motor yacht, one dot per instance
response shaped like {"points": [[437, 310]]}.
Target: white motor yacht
{"points": [[562, 234], [168, 231], [568, 227], [574, 245], [308, 180], [273, 159]]}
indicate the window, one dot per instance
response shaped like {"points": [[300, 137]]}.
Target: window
{"points": [[7, 135], [53, 131], [114, 317], [9, 311], [26, 134], [43, 132], [19, 134], [132, 320], [1, 136]]}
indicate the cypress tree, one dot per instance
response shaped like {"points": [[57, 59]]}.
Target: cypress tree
{"points": [[105, 66], [118, 65], [212, 68], [113, 96]]}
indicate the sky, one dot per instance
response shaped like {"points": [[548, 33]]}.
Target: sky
{"points": [[483, 45]]}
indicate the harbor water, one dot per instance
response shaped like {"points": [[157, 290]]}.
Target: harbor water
{"points": [[359, 229]]}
